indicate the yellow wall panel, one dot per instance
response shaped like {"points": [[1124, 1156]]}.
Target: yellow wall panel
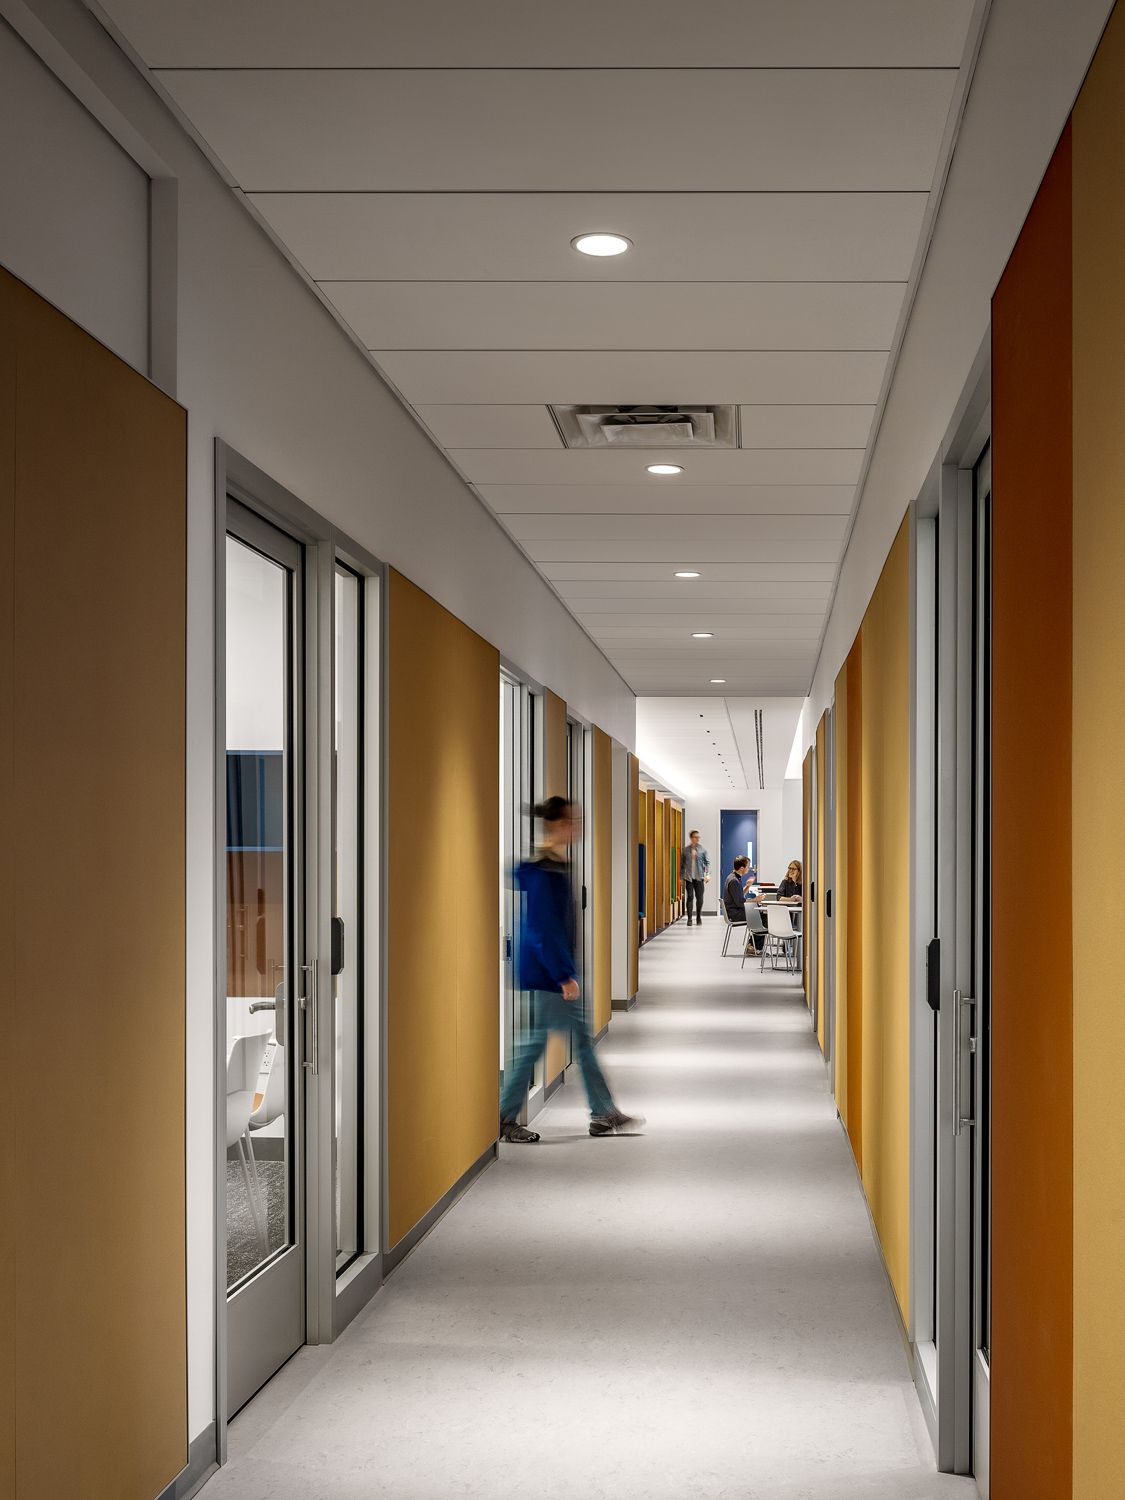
{"points": [[442, 1013], [820, 770], [603, 880], [93, 1328], [885, 916], [1099, 767], [806, 844], [840, 895], [634, 894]]}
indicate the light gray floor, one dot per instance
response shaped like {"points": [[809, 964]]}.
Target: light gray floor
{"points": [[697, 1312]]}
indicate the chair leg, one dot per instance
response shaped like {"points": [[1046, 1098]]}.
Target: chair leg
{"points": [[252, 1195], [726, 940]]}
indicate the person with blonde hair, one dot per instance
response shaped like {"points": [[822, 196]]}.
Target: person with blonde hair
{"points": [[791, 888]]}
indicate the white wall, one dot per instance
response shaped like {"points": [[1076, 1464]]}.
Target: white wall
{"points": [[259, 362], [73, 206], [775, 831]]}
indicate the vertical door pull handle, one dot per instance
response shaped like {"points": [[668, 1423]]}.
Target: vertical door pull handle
{"points": [[961, 1001], [309, 1002]]}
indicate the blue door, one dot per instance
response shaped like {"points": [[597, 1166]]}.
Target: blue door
{"points": [[738, 834]]}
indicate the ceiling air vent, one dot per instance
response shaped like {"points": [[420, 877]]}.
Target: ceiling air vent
{"points": [[647, 426]]}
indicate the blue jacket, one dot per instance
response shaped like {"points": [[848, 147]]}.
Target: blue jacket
{"points": [[546, 947]]}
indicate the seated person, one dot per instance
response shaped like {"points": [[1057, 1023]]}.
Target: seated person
{"points": [[734, 897], [791, 889]]}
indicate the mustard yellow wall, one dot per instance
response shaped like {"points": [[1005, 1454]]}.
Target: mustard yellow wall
{"points": [[442, 1013], [603, 880], [634, 894], [1099, 769], [806, 843], [840, 895], [820, 766], [93, 1293], [885, 916]]}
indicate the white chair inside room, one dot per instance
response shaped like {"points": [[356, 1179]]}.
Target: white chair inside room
{"points": [[244, 1061], [781, 937], [755, 928], [729, 925]]}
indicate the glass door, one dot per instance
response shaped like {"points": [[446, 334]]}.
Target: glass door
{"points": [[269, 981], [981, 1039]]}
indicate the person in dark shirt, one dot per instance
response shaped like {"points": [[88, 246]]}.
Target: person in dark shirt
{"points": [[734, 891], [790, 888], [547, 968]]}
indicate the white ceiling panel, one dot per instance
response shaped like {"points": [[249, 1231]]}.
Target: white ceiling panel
{"points": [[617, 315], [735, 547], [681, 530], [802, 594], [484, 426], [648, 628], [702, 467], [805, 426], [656, 498], [663, 376], [635, 571], [512, 33], [516, 237], [621, 607], [812, 130]]}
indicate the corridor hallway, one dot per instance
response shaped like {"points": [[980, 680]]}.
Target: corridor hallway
{"points": [[698, 1312]]}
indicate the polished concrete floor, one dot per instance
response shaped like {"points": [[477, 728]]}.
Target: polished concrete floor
{"points": [[699, 1311]]}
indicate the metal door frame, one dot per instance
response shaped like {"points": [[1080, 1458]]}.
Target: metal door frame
{"points": [[330, 1301]]}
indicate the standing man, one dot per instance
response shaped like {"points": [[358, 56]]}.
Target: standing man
{"points": [[695, 872]]}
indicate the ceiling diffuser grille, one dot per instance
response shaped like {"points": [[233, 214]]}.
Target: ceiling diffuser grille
{"points": [[647, 426]]}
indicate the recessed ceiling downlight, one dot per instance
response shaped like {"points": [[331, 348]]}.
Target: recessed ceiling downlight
{"points": [[601, 243], [687, 573], [703, 635], [718, 679], [665, 468]]}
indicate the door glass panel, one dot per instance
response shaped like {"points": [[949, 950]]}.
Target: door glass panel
{"points": [[347, 953], [259, 1198]]}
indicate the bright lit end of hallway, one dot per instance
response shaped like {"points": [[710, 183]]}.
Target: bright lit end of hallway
{"points": [[697, 1311]]}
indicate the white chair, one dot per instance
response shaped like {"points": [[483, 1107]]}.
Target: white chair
{"points": [[244, 1059], [755, 929], [781, 937], [730, 926]]}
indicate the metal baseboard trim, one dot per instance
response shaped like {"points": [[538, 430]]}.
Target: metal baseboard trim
{"points": [[601, 1033], [394, 1257], [553, 1087], [201, 1464], [626, 1004]]}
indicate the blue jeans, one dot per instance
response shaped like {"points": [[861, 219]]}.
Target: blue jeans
{"points": [[550, 1012]]}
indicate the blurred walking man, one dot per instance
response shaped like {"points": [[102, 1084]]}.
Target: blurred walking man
{"points": [[695, 872]]}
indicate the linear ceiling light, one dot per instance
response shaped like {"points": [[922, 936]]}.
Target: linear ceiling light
{"points": [[715, 680], [702, 635], [686, 574], [601, 243], [665, 468]]}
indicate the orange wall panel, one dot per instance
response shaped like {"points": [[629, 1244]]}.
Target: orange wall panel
{"points": [[1032, 1103], [1099, 767]]}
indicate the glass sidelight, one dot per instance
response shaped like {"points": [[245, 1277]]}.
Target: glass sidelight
{"points": [[347, 921]]}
